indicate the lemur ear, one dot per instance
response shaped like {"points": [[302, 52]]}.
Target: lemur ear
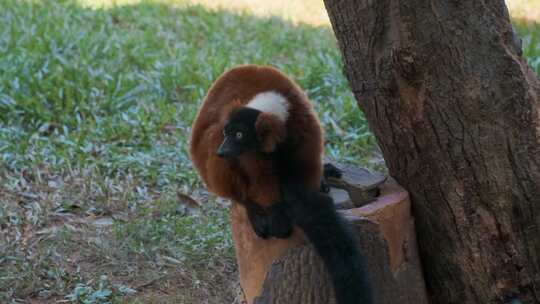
{"points": [[270, 130]]}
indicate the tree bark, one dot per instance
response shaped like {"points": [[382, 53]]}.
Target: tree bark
{"points": [[455, 110]]}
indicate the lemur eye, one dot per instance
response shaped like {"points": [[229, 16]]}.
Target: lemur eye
{"points": [[239, 135]]}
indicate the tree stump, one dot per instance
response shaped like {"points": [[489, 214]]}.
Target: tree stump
{"points": [[288, 271]]}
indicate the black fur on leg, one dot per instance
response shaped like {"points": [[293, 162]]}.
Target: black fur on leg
{"points": [[273, 222], [258, 219], [279, 221], [330, 235]]}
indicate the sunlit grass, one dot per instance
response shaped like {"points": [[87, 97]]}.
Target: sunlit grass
{"points": [[306, 11], [525, 9]]}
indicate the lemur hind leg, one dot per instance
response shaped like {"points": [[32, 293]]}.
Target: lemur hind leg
{"points": [[273, 222]]}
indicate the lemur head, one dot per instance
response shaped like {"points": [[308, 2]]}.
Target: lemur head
{"points": [[258, 126]]}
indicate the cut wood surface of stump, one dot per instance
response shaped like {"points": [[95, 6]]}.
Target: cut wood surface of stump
{"points": [[289, 271]]}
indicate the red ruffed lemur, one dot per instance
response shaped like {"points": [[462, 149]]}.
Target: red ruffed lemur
{"points": [[257, 141]]}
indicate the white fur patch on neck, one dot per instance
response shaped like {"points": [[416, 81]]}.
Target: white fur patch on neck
{"points": [[271, 102]]}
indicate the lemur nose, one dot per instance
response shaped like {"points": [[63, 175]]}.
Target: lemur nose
{"points": [[221, 151]]}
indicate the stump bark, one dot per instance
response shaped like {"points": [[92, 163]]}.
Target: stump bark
{"points": [[278, 271], [455, 110]]}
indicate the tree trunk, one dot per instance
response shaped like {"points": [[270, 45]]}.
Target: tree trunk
{"points": [[455, 110]]}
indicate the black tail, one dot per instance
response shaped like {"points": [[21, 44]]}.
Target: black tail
{"points": [[329, 233]]}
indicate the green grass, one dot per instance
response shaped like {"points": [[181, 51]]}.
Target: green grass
{"points": [[95, 112]]}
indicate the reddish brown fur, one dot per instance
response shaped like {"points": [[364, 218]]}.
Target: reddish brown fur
{"points": [[254, 175]]}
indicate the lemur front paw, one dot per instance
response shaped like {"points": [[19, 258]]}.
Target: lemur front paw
{"points": [[329, 170], [325, 188]]}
